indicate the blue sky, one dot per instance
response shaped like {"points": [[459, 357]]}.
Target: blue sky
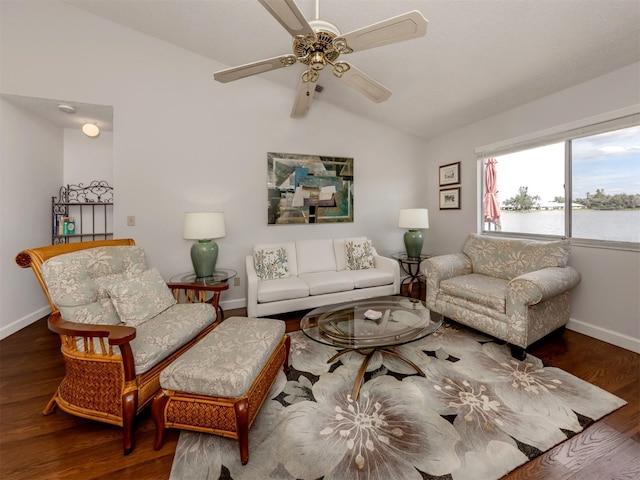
{"points": [[609, 161]]}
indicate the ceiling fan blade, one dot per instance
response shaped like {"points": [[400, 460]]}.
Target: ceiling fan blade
{"points": [[396, 29], [362, 82], [287, 13], [304, 93], [254, 68]]}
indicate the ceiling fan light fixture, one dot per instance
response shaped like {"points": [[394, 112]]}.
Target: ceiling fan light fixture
{"points": [[90, 130], [317, 61]]}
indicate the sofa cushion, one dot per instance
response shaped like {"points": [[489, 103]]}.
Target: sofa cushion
{"points": [[510, 258], [140, 298], [227, 361], [340, 250], [315, 256], [165, 333], [327, 282], [482, 289], [282, 289], [271, 263], [76, 280], [291, 253], [359, 254], [369, 277]]}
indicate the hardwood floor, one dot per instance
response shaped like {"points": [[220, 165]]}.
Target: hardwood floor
{"points": [[33, 446]]}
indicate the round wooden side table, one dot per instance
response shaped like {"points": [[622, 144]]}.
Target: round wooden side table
{"points": [[196, 288]]}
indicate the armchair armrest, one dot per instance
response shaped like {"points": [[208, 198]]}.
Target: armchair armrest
{"points": [[443, 267], [538, 286], [116, 334], [119, 335], [388, 265]]}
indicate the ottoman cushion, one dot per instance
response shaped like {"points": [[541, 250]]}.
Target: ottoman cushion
{"points": [[227, 361]]}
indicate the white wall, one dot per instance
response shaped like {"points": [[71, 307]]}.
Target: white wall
{"points": [[87, 159], [183, 142], [605, 305], [30, 173]]}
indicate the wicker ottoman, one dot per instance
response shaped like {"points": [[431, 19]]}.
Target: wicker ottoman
{"points": [[219, 385]]}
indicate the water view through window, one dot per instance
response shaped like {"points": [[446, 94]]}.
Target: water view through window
{"points": [[605, 188]]}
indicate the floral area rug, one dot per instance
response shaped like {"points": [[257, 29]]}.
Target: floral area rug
{"points": [[478, 414]]}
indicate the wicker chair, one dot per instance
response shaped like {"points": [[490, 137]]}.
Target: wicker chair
{"points": [[100, 381]]}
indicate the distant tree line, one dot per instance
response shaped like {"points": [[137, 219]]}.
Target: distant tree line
{"points": [[602, 201], [522, 201], [598, 201]]}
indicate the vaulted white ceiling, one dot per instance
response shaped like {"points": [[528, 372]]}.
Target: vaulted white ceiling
{"points": [[479, 57]]}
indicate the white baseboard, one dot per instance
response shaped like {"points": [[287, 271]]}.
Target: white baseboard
{"points": [[231, 304], [25, 321], [609, 336]]}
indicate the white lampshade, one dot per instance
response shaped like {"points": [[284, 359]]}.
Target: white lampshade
{"points": [[413, 218], [199, 226]]}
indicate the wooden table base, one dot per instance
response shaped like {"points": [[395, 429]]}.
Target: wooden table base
{"points": [[368, 354]]}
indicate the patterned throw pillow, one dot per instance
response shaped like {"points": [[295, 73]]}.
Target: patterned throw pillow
{"points": [[140, 298], [271, 263], [359, 255]]}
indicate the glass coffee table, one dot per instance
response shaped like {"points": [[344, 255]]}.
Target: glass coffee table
{"points": [[367, 326]]}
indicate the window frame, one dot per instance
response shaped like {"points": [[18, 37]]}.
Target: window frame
{"points": [[608, 122]]}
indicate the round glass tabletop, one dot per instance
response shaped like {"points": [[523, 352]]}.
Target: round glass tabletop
{"points": [[371, 323], [219, 276]]}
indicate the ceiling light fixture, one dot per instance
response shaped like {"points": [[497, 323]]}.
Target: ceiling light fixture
{"points": [[66, 108], [90, 130]]}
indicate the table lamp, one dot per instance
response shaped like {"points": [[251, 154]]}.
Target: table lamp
{"points": [[204, 227], [413, 219]]}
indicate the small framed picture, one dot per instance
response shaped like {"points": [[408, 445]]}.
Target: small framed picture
{"points": [[450, 174], [450, 199]]}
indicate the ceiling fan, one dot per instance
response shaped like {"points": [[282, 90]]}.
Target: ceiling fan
{"points": [[317, 43]]}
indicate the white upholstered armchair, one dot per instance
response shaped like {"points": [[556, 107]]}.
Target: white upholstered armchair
{"points": [[515, 290]]}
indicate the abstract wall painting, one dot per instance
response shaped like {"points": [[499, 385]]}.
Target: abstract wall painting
{"points": [[309, 189]]}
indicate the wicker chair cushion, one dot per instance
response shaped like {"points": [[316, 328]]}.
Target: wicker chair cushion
{"points": [[160, 336], [76, 281], [227, 361], [137, 299]]}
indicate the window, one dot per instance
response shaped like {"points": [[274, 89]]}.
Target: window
{"points": [[583, 184]]}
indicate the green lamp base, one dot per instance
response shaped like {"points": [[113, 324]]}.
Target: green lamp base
{"points": [[413, 241], [204, 254]]}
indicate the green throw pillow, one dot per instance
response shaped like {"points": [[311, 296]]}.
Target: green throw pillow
{"points": [[140, 298]]}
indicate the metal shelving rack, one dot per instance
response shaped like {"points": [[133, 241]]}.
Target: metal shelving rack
{"points": [[89, 206]]}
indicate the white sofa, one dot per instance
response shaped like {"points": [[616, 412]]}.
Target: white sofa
{"points": [[305, 274]]}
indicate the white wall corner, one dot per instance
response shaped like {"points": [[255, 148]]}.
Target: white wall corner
{"points": [[609, 336], [25, 321], [233, 304]]}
